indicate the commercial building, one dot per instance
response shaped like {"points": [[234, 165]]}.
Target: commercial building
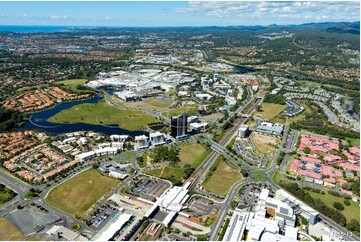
{"points": [[60, 232], [127, 95], [270, 220], [306, 211], [171, 202], [141, 142], [157, 138], [117, 225], [270, 128], [204, 96], [178, 126], [243, 131]]}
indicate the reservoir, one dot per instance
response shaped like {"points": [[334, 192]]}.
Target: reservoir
{"points": [[39, 121]]}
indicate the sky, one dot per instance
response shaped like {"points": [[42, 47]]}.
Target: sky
{"points": [[176, 13]]}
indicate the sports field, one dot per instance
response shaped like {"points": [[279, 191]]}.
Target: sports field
{"points": [[9, 232], [103, 113], [78, 194], [270, 110], [265, 144], [192, 154], [222, 179]]}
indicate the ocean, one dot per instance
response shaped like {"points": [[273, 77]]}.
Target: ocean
{"points": [[33, 29]]}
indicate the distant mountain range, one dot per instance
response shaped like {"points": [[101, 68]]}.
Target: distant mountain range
{"points": [[338, 27]]}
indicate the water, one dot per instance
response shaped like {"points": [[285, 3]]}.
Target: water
{"points": [[39, 121], [33, 29]]}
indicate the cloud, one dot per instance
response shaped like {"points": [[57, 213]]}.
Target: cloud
{"points": [[311, 10], [55, 17]]}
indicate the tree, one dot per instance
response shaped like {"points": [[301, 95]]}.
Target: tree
{"points": [[202, 237], [347, 202], [307, 150], [338, 206]]}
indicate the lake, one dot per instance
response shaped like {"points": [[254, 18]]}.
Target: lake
{"points": [[39, 121]]}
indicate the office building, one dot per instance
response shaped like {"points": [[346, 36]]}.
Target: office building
{"points": [[243, 131], [178, 128]]}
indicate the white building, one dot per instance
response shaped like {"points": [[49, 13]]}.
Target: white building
{"points": [[306, 211], [222, 85], [141, 142], [120, 138], [60, 232], [204, 96], [157, 138], [243, 131], [85, 156], [171, 201], [118, 224]]}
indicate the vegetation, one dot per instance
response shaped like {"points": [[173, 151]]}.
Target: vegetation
{"points": [[172, 174], [32, 193], [75, 227], [224, 229], [259, 176], [193, 154], [318, 204], [78, 194], [164, 153], [351, 211], [9, 119], [6, 194], [177, 111], [215, 180], [270, 110], [103, 113], [9, 232]]}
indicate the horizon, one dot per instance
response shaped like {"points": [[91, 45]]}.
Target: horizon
{"points": [[176, 13], [185, 26]]}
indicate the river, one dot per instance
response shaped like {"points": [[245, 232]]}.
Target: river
{"points": [[39, 121]]}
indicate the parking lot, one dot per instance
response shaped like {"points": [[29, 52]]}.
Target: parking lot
{"points": [[104, 215], [31, 218], [201, 206], [148, 188]]}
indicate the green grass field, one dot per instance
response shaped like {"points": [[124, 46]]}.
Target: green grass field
{"points": [[350, 212], [354, 142], [270, 110], [259, 176], [103, 113], [8, 232], [128, 155], [177, 111], [172, 91], [222, 178], [6, 195], [71, 85], [78, 194], [72, 82], [192, 154], [160, 105], [167, 173]]}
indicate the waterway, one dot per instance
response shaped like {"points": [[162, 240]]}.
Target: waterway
{"points": [[39, 121]]}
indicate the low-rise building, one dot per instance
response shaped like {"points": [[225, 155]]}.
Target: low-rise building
{"points": [[141, 142], [270, 128]]}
